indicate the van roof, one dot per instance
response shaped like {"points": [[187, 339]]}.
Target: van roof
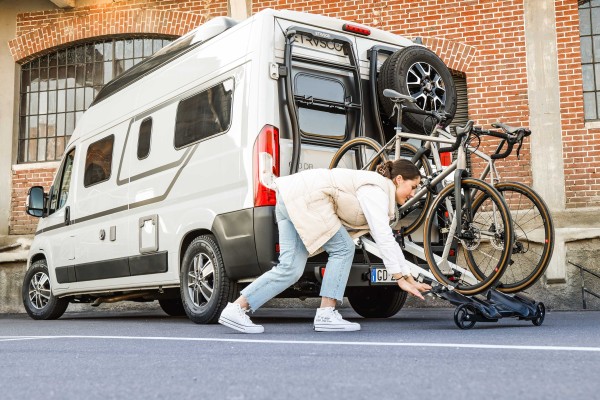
{"points": [[173, 50]]}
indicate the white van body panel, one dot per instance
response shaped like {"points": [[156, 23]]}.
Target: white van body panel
{"points": [[152, 205]]}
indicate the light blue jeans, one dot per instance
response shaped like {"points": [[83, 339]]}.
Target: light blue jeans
{"points": [[292, 261]]}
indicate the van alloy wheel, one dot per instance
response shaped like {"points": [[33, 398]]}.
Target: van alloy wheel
{"points": [[39, 290], [37, 296], [205, 286], [201, 280]]}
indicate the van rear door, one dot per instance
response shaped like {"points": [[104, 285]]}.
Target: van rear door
{"points": [[322, 94]]}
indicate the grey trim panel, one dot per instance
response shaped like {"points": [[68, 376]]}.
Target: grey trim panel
{"points": [[146, 264], [247, 240]]}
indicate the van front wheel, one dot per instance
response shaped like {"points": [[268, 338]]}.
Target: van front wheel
{"points": [[205, 287], [37, 295]]}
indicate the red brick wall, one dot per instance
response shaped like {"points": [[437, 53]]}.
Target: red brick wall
{"points": [[41, 31], [486, 41], [483, 39], [22, 180], [581, 146], [44, 31]]}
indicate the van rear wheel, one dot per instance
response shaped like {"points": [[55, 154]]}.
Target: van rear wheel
{"points": [[205, 287], [172, 307], [37, 295], [376, 302]]}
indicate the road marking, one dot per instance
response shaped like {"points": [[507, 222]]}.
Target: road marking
{"points": [[14, 338], [316, 342]]}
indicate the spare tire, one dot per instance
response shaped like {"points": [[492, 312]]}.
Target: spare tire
{"points": [[418, 72]]}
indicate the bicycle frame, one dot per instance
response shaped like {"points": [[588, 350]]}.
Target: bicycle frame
{"points": [[409, 246]]}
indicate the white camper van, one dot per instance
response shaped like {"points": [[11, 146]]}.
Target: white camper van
{"points": [[163, 193]]}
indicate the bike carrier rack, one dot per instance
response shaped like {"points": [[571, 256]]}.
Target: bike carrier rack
{"points": [[489, 306]]}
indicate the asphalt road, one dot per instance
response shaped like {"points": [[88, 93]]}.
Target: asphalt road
{"points": [[420, 353]]}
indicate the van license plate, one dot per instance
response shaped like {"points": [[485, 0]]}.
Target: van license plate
{"points": [[381, 276]]}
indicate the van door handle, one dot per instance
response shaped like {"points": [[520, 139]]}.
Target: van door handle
{"points": [[67, 215]]}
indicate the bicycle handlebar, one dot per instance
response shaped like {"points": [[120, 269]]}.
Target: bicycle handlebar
{"points": [[460, 133], [511, 136]]}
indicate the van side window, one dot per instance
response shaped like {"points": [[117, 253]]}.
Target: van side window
{"points": [[316, 118], [59, 192], [203, 115], [98, 161], [145, 134]]}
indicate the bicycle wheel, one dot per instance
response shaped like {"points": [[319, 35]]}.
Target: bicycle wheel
{"points": [[482, 238], [357, 153], [533, 237], [412, 218]]}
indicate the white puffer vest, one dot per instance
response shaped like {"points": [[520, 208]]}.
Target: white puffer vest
{"points": [[320, 201]]}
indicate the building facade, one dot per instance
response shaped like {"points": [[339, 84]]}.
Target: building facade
{"points": [[532, 63]]}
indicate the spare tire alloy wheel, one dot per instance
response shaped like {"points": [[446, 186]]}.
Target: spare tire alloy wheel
{"points": [[418, 72], [426, 86]]}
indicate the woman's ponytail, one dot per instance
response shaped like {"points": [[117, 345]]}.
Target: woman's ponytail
{"points": [[385, 169], [402, 167]]}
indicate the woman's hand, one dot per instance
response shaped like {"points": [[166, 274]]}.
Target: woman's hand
{"points": [[409, 285]]}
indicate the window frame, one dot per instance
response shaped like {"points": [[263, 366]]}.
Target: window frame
{"points": [[594, 62], [198, 94], [56, 88], [149, 138], [57, 190], [345, 113], [86, 165]]}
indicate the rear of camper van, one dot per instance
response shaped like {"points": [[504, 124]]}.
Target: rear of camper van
{"points": [[165, 189]]}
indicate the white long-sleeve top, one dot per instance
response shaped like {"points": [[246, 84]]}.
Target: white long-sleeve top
{"points": [[374, 204]]}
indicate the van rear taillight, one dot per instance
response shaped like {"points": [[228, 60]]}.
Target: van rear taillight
{"points": [[361, 30], [265, 166]]}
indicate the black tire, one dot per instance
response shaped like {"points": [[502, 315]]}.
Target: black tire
{"points": [[205, 287], [540, 314], [357, 152], [412, 218], [481, 243], [418, 72], [37, 295], [464, 316], [376, 302], [529, 213], [172, 307]]}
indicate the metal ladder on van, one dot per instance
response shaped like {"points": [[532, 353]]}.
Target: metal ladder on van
{"points": [[294, 100]]}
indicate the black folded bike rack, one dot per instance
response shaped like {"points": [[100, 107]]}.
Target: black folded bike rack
{"points": [[490, 306]]}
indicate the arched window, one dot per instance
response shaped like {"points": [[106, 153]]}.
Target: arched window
{"points": [[57, 88]]}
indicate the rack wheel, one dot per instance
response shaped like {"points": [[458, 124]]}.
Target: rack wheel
{"points": [[464, 316], [540, 314]]}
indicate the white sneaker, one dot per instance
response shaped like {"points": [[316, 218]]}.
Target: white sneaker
{"points": [[235, 317], [329, 320]]}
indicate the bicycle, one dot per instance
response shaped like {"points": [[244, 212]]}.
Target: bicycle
{"points": [[451, 213], [529, 213]]}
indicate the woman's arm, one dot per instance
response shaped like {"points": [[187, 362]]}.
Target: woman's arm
{"points": [[374, 204]]}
